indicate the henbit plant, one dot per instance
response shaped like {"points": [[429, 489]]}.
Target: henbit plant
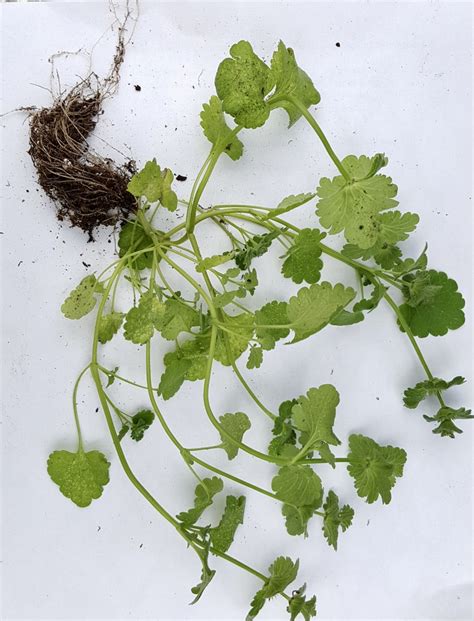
{"points": [[217, 326]]}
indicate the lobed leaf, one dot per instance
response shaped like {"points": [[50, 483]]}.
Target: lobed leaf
{"points": [[81, 476]]}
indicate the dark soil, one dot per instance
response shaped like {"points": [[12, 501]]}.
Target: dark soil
{"points": [[89, 190]]}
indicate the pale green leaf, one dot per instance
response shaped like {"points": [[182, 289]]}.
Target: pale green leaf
{"points": [[80, 476], [314, 307], [235, 425], [81, 300], [217, 131]]}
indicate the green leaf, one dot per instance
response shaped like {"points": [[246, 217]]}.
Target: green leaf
{"points": [[298, 486], [411, 265], [283, 571], [291, 81], [173, 376], [81, 300], [230, 346], [207, 574], [235, 425], [254, 247], [314, 307], [271, 314], [288, 203], [369, 304], [396, 226], [415, 395], [203, 498], [303, 262], [335, 518], [255, 358], [346, 318], [141, 320], [214, 261], [217, 131], [354, 207], [141, 421], [314, 416], [222, 536], [299, 605], [282, 429], [374, 468], [177, 317], [242, 82], [132, 238], [109, 325], [297, 518], [154, 184], [445, 417], [433, 303], [81, 476], [188, 362]]}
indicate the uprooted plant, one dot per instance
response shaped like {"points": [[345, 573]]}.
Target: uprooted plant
{"points": [[216, 324]]}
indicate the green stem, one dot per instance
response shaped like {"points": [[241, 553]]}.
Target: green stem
{"points": [[80, 444], [404, 324], [231, 477], [251, 393], [315, 126], [105, 407]]}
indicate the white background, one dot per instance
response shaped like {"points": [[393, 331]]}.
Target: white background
{"points": [[400, 83]]}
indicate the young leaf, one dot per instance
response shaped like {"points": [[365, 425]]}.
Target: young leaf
{"points": [[81, 476], [283, 571], [132, 238], [222, 536], [177, 317], [445, 417], [433, 303], [303, 262], [255, 358], [335, 518], [81, 300], [188, 362], [297, 518], [207, 574], [109, 325], [374, 468], [235, 425], [173, 376], [299, 605], [231, 345], [288, 203], [347, 318], [255, 247], [415, 395], [217, 131], [283, 429], [354, 207], [298, 486], [141, 421], [314, 416], [271, 314], [314, 307], [242, 82], [154, 184], [291, 81], [141, 320], [203, 498], [214, 261]]}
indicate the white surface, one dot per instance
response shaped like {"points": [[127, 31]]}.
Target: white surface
{"points": [[399, 83]]}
